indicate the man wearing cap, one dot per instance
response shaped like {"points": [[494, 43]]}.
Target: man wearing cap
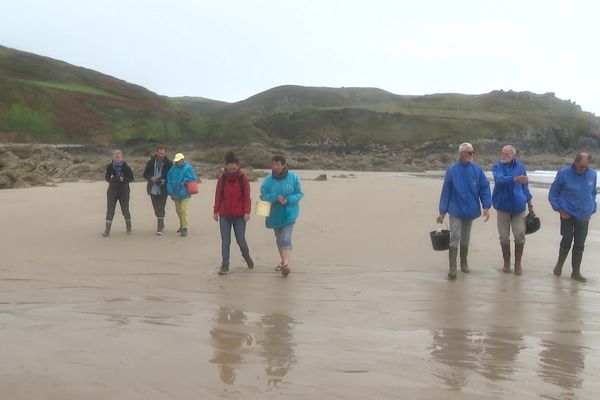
{"points": [[510, 197], [465, 187], [573, 195], [156, 172], [179, 175]]}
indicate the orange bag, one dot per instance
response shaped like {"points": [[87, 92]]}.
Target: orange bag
{"points": [[192, 187]]}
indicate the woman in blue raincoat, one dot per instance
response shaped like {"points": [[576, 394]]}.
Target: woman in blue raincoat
{"points": [[179, 175], [282, 189]]}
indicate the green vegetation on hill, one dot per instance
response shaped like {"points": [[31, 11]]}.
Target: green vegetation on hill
{"points": [[51, 101], [72, 87]]}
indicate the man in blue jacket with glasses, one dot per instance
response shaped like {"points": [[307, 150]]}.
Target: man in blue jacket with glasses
{"points": [[465, 187], [510, 197], [573, 195]]}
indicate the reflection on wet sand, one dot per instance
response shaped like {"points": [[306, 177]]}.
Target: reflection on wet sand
{"points": [[233, 340], [277, 346], [228, 342], [562, 365], [492, 354]]}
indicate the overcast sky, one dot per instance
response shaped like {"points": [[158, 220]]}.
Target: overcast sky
{"points": [[230, 50]]}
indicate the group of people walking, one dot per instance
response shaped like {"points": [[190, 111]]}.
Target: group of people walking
{"points": [[232, 206], [466, 191]]}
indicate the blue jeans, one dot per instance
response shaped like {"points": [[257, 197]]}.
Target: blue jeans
{"points": [[573, 229], [283, 237], [239, 229]]}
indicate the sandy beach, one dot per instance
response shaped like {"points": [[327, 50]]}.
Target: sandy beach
{"points": [[366, 313]]}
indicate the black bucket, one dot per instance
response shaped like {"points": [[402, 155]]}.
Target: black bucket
{"points": [[440, 239]]}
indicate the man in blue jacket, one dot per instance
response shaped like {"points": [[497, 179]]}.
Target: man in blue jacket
{"points": [[573, 195], [510, 196], [465, 186]]}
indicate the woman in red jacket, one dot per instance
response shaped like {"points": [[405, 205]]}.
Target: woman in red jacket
{"points": [[232, 208]]}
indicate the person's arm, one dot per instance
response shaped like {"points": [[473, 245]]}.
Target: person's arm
{"points": [[190, 175], [218, 199], [265, 194], [170, 186], [594, 192], [554, 193], [500, 177], [445, 195], [108, 174], [527, 193], [149, 171], [127, 174], [485, 194], [295, 197], [247, 201]]}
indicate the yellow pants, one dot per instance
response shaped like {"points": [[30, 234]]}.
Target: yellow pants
{"points": [[181, 207]]}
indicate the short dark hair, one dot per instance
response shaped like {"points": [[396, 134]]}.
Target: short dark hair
{"points": [[579, 156], [231, 158], [279, 158], [161, 147]]}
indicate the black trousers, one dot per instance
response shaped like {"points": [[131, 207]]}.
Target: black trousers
{"points": [[573, 229], [118, 193], [159, 203]]}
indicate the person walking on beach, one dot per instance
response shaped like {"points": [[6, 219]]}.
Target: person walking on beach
{"points": [[573, 196], [156, 172], [232, 209], [465, 187], [283, 190], [179, 175], [510, 197], [118, 175]]}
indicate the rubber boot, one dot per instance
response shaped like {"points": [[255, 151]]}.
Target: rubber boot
{"points": [[518, 256], [562, 256], [106, 232], [506, 257], [464, 265], [452, 253], [576, 258], [160, 227], [128, 225]]}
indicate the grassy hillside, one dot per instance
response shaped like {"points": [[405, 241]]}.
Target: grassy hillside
{"points": [[46, 100]]}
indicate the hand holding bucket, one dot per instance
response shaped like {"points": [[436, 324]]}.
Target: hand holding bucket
{"points": [[263, 208], [440, 239]]}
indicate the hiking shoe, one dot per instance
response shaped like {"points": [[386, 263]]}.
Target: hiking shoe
{"points": [[184, 232], [224, 270], [250, 263], [285, 271]]}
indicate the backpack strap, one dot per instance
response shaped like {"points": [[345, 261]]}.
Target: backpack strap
{"points": [[224, 180]]}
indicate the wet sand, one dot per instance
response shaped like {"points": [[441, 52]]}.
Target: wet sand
{"points": [[366, 313]]}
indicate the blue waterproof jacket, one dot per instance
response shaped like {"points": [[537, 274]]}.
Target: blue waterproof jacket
{"points": [[465, 185], [575, 193], [508, 195], [288, 187], [178, 175]]}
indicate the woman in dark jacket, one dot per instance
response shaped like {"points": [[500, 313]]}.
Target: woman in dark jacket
{"points": [[156, 172], [118, 175], [232, 209]]}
